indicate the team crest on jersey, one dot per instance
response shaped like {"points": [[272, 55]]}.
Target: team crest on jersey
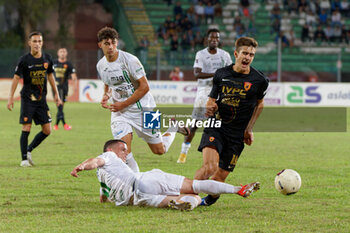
{"points": [[247, 86], [25, 119], [211, 139], [46, 65], [65, 66]]}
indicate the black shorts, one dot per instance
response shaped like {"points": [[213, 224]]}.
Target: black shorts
{"points": [[38, 112], [229, 149], [63, 92]]}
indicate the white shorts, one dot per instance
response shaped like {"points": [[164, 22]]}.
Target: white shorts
{"points": [[200, 102], [155, 185], [124, 123]]}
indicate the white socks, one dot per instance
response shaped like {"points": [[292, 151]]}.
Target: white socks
{"points": [[213, 187], [185, 147], [168, 140], [191, 199], [131, 162]]}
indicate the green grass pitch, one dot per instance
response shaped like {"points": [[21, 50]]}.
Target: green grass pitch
{"points": [[46, 198]]}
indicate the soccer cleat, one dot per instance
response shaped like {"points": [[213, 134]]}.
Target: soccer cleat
{"points": [[180, 205], [25, 163], [67, 127], [247, 189], [29, 158], [55, 127], [209, 200], [182, 158]]}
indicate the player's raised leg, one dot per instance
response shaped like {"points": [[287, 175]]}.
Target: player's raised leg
{"points": [[39, 138], [167, 139], [213, 187]]}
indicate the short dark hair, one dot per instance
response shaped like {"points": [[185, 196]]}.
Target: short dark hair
{"points": [[36, 33], [107, 33], [245, 41], [212, 30], [112, 142]]}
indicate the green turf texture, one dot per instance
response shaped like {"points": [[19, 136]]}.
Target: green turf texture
{"points": [[45, 198]]}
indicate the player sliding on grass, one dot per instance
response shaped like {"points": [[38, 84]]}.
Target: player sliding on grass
{"points": [[125, 81], [237, 99], [154, 188]]}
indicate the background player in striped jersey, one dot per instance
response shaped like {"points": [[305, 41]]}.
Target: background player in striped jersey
{"points": [[207, 61], [125, 81]]}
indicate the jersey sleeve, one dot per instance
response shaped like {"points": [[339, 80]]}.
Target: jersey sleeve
{"points": [[263, 88], [107, 157], [20, 66], [214, 93], [135, 68], [198, 63], [50, 68]]}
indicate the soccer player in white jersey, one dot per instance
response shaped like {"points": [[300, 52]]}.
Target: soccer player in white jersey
{"points": [[207, 61], [123, 186], [125, 81]]}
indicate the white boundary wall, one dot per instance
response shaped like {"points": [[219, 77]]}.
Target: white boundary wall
{"points": [[278, 94]]}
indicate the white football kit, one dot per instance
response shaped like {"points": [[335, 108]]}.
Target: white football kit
{"points": [[209, 63], [119, 183], [121, 76]]}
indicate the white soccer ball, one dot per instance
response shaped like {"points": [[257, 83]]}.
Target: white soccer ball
{"points": [[288, 181]]}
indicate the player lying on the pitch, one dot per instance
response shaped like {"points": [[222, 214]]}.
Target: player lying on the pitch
{"points": [[155, 188]]}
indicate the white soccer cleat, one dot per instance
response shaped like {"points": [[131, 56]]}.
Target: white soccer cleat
{"points": [[25, 163], [29, 158], [180, 205]]}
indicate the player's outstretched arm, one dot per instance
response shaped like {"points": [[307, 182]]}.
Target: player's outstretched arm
{"points": [[52, 82], [140, 92], [248, 134], [14, 85], [89, 164]]}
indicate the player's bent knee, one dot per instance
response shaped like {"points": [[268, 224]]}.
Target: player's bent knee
{"points": [[158, 151], [47, 132], [210, 169], [26, 127]]}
